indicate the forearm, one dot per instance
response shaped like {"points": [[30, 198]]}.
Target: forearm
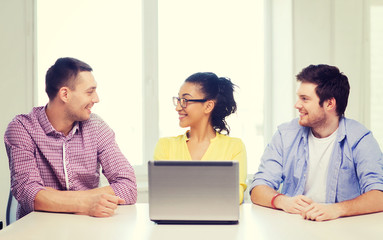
{"points": [[126, 190], [368, 202], [52, 200], [262, 195]]}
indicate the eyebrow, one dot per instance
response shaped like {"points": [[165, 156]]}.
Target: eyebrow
{"points": [[186, 94], [91, 88], [303, 95]]}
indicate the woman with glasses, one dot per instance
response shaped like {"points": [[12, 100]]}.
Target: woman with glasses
{"points": [[203, 103]]}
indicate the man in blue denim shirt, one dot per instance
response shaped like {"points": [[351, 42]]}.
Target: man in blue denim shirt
{"points": [[330, 166]]}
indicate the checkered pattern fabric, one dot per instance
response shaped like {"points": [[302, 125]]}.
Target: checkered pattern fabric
{"points": [[36, 150]]}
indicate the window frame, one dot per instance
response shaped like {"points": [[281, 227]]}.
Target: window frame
{"points": [[366, 91], [274, 23]]}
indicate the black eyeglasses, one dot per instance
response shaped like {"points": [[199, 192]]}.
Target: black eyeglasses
{"points": [[184, 102]]}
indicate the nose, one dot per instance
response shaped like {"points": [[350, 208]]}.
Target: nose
{"points": [[178, 107], [298, 104], [95, 98]]}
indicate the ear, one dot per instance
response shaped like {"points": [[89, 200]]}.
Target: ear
{"points": [[209, 106], [63, 94], [330, 104]]}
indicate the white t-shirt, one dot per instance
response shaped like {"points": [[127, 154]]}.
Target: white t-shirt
{"points": [[320, 150]]}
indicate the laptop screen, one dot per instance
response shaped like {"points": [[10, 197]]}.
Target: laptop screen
{"points": [[193, 191]]}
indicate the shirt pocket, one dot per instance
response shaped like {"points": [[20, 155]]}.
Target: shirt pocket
{"points": [[348, 183]]}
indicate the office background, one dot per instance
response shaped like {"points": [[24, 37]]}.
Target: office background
{"points": [[296, 33]]}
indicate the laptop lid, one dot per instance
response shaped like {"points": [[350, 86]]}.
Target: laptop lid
{"points": [[194, 191]]}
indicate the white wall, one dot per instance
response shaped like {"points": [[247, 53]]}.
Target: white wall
{"points": [[279, 76], [15, 76], [331, 32], [321, 31]]}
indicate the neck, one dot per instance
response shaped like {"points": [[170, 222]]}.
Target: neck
{"points": [[57, 117], [326, 129], [201, 134]]}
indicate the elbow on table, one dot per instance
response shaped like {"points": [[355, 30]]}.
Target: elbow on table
{"points": [[255, 194], [131, 197]]}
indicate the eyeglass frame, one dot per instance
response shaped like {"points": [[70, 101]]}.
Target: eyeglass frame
{"points": [[177, 100]]}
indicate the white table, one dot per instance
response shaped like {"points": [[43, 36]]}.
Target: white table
{"points": [[132, 222]]}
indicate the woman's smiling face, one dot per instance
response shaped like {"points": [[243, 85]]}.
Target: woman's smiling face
{"points": [[194, 111]]}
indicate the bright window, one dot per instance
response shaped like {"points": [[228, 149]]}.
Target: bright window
{"points": [[376, 71], [107, 36], [224, 37]]}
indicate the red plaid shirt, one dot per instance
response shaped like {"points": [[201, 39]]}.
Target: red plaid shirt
{"points": [[36, 158]]}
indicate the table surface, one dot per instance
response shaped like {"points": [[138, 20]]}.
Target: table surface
{"points": [[132, 222]]}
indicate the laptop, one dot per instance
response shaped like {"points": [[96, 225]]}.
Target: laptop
{"points": [[194, 192]]}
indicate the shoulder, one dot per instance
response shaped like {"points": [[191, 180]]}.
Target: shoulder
{"points": [[97, 129], [25, 120], [231, 141], [95, 123], [165, 145], [94, 119], [171, 140], [23, 125], [290, 133], [354, 126], [226, 138], [292, 126], [352, 129]]}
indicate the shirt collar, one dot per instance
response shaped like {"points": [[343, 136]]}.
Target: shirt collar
{"points": [[47, 126], [185, 137], [340, 135], [341, 130]]}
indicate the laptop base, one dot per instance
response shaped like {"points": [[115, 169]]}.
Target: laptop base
{"points": [[194, 222]]}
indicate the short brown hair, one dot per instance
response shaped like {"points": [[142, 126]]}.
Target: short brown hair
{"points": [[63, 73], [331, 83]]}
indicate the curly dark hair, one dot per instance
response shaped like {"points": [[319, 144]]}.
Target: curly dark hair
{"points": [[221, 90]]}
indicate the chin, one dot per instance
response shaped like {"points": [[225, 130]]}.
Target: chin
{"points": [[183, 125], [303, 123], [84, 118]]}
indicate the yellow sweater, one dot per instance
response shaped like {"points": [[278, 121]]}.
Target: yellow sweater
{"points": [[221, 147]]}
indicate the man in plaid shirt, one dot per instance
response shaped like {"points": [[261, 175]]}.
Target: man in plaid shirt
{"points": [[55, 152]]}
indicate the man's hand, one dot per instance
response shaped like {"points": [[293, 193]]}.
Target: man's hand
{"points": [[102, 205], [307, 208], [321, 212], [292, 204], [98, 202]]}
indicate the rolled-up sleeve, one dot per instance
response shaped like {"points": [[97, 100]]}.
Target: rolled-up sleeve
{"points": [[26, 181], [270, 170], [369, 164], [115, 166]]}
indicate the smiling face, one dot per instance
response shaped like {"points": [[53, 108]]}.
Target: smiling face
{"points": [[311, 113], [194, 112], [82, 98]]}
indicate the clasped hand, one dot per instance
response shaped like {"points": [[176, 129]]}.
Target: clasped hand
{"points": [[309, 209]]}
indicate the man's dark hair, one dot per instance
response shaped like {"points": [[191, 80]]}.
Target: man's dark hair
{"points": [[331, 83], [63, 73]]}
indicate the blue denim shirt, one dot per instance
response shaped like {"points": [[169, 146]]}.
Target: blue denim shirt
{"points": [[355, 167]]}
